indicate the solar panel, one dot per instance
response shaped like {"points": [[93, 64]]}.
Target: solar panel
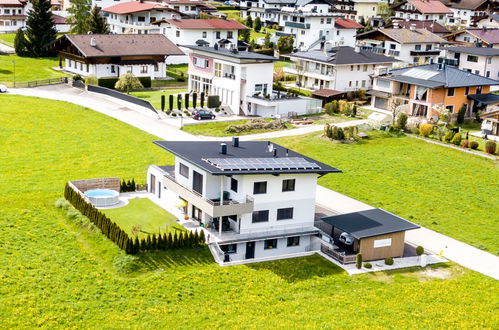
{"points": [[262, 164]]}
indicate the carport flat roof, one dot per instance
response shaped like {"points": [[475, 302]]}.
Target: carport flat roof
{"points": [[369, 223]]}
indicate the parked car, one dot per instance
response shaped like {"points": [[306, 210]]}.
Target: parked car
{"points": [[3, 89], [346, 238], [202, 114]]}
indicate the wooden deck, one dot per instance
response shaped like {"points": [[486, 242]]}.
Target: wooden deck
{"points": [[338, 255]]}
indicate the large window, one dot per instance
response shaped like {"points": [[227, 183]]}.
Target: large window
{"points": [[200, 62], [285, 214], [261, 88], [233, 184], [204, 34], [229, 34], [294, 241], [288, 185], [183, 170], [472, 58], [450, 92], [383, 83], [260, 216], [270, 244], [143, 69], [229, 248], [260, 188], [218, 69]]}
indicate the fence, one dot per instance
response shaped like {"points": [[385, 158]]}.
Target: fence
{"points": [[44, 82], [121, 96]]}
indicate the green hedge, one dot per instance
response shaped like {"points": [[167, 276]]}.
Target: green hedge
{"points": [[110, 82]]}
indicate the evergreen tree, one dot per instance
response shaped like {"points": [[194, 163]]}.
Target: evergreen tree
{"points": [[136, 245], [175, 241], [257, 24], [186, 100], [202, 99], [149, 243], [21, 44], [179, 102], [133, 186], [245, 35], [170, 100], [143, 244], [154, 242], [194, 99], [162, 102], [249, 22], [79, 16], [196, 239], [97, 24], [202, 240], [40, 29], [169, 241], [129, 186]]}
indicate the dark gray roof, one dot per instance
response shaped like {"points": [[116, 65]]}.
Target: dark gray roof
{"points": [[344, 55], [226, 52], [198, 153], [280, 2], [431, 76], [369, 223], [485, 98], [483, 51]]}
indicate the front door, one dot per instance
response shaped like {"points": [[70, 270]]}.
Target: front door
{"points": [[153, 184], [250, 250]]}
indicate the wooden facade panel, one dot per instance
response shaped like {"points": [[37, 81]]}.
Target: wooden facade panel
{"points": [[396, 249]]}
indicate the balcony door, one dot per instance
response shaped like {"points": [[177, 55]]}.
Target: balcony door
{"points": [[197, 182], [250, 250], [153, 184]]}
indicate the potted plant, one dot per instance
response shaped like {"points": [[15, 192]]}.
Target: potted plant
{"points": [[186, 217]]}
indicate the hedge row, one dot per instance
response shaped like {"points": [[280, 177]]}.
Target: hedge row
{"points": [[121, 238], [110, 82]]}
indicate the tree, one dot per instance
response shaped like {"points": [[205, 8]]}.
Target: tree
{"points": [[278, 74], [267, 43], [186, 100], [285, 44], [202, 99], [20, 43], [394, 105], [194, 99], [179, 102], [461, 114], [170, 101], [91, 80], [384, 10], [245, 35], [40, 29], [97, 24], [249, 22], [163, 102], [79, 16], [127, 82], [257, 24]]}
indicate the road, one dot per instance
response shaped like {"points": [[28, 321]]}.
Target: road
{"points": [[146, 120]]}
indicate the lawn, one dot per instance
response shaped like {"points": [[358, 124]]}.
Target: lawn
{"points": [[8, 37], [217, 128], [154, 96], [446, 190], [27, 69], [142, 212], [56, 274]]}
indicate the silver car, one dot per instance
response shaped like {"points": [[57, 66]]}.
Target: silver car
{"points": [[346, 238]]}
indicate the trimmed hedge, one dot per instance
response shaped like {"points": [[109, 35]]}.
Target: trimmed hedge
{"points": [[110, 82], [120, 237], [269, 52]]}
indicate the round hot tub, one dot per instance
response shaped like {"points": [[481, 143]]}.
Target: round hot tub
{"points": [[103, 197]]}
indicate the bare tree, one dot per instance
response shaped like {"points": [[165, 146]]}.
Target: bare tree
{"points": [[395, 106]]}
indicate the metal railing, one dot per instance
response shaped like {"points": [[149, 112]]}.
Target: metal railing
{"points": [[338, 255]]}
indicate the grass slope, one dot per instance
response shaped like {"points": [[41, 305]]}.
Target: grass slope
{"points": [[218, 128], [56, 274], [440, 188], [8, 37], [142, 211], [27, 69], [154, 97]]}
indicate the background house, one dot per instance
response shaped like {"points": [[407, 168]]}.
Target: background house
{"points": [[12, 15], [489, 21], [366, 9], [483, 37], [465, 11], [434, 27], [483, 61], [422, 10]]}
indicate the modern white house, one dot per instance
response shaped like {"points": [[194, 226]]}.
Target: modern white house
{"points": [[12, 15], [135, 17], [268, 10], [255, 200], [337, 69], [464, 12], [243, 80], [112, 55], [411, 45], [423, 10], [483, 61]]}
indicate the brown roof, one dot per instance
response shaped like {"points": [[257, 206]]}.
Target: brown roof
{"points": [[16, 3], [427, 25], [406, 35], [58, 19], [133, 7], [327, 92], [346, 23], [114, 45], [430, 6], [464, 4], [206, 24]]}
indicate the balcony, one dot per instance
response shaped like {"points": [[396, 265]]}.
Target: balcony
{"points": [[392, 52], [425, 52], [376, 50], [212, 207], [297, 25]]}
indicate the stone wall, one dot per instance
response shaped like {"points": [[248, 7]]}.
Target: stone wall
{"points": [[101, 183]]}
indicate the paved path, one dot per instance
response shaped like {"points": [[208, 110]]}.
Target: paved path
{"points": [[6, 49], [147, 121]]}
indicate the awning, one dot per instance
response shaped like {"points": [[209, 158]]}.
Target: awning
{"points": [[485, 98], [327, 92], [378, 93]]}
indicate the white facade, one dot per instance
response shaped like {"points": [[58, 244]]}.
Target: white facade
{"points": [[463, 17], [115, 70], [366, 9], [487, 66], [138, 22], [181, 36], [410, 12], [12, 17], [488, 22]]}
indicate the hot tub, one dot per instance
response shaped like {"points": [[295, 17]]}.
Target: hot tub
{"points": [[103, 197]]}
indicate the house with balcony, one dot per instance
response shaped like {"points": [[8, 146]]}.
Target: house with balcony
{"points": [[424, 91], [136, 17], [113, 55], [434, 27], [483, 61], [366, 9], [480, 37], [255, 200], [190, 7], [337, 68], [269, 10], [12, 15], [422, 10], [489, 21], [415, 46], [244, 82], [464, 12]]}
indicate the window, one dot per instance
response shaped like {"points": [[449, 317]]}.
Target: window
{"points": [[478, 90], [441, 17], [204, 34], [350, 83], [156, 67], [229, 34], [288, 185], [129, 69], [450, 92], [450, 108], [200, 62], [218, 69], [472, 58], [233, 184], [285, 214], [143, 69], [229, 248], [417, 47], [260, 216], [112, 69], [183, 170], [260, 188], [393, 46], [302, 32], [358, 67], [217, 34], [294, 241], [477, 71], [270, 244], [322, 20], [363, 83], [328, 21], [337, 33], [487, 74], [87, 67], [467, 91], [141, 19], [177, 33], [365, 67], [351, 67], [489, 60], [428, 47]]}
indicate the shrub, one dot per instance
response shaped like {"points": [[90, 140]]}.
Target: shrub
{"points": [[448, 136], [91, 80], [256, 124], [389, 261], [127, 82], [401, 120], [145, 81], [419, 250], [490, 147], [456, 140], [213, 101], [107, 82], [473, 145], [358, 260], [465, 144], [328, 108], [187, 113], [460, 114], [77, 77], [440, 132], [368, 265], [425, 129]]}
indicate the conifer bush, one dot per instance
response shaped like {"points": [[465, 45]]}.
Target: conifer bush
{"points": [[358, 261], [490, 147], [473, 145], [456, 140]]}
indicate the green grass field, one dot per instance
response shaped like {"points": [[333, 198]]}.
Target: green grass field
{"points": [[56, 274], [218, 128], [8, 37], [440, 188], [27, 69], [142, 212], [154, 96]]}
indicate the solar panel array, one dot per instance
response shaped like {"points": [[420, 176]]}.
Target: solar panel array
{"points": [[262, 164]]}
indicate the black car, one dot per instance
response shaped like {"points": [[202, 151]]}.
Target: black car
{"points": [[202, 114]]}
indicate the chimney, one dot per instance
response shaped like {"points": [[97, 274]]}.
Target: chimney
{"points": [[287, 152], [93, 42], [413, 27], [235, 142], [275, 152], [223, 148]]}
